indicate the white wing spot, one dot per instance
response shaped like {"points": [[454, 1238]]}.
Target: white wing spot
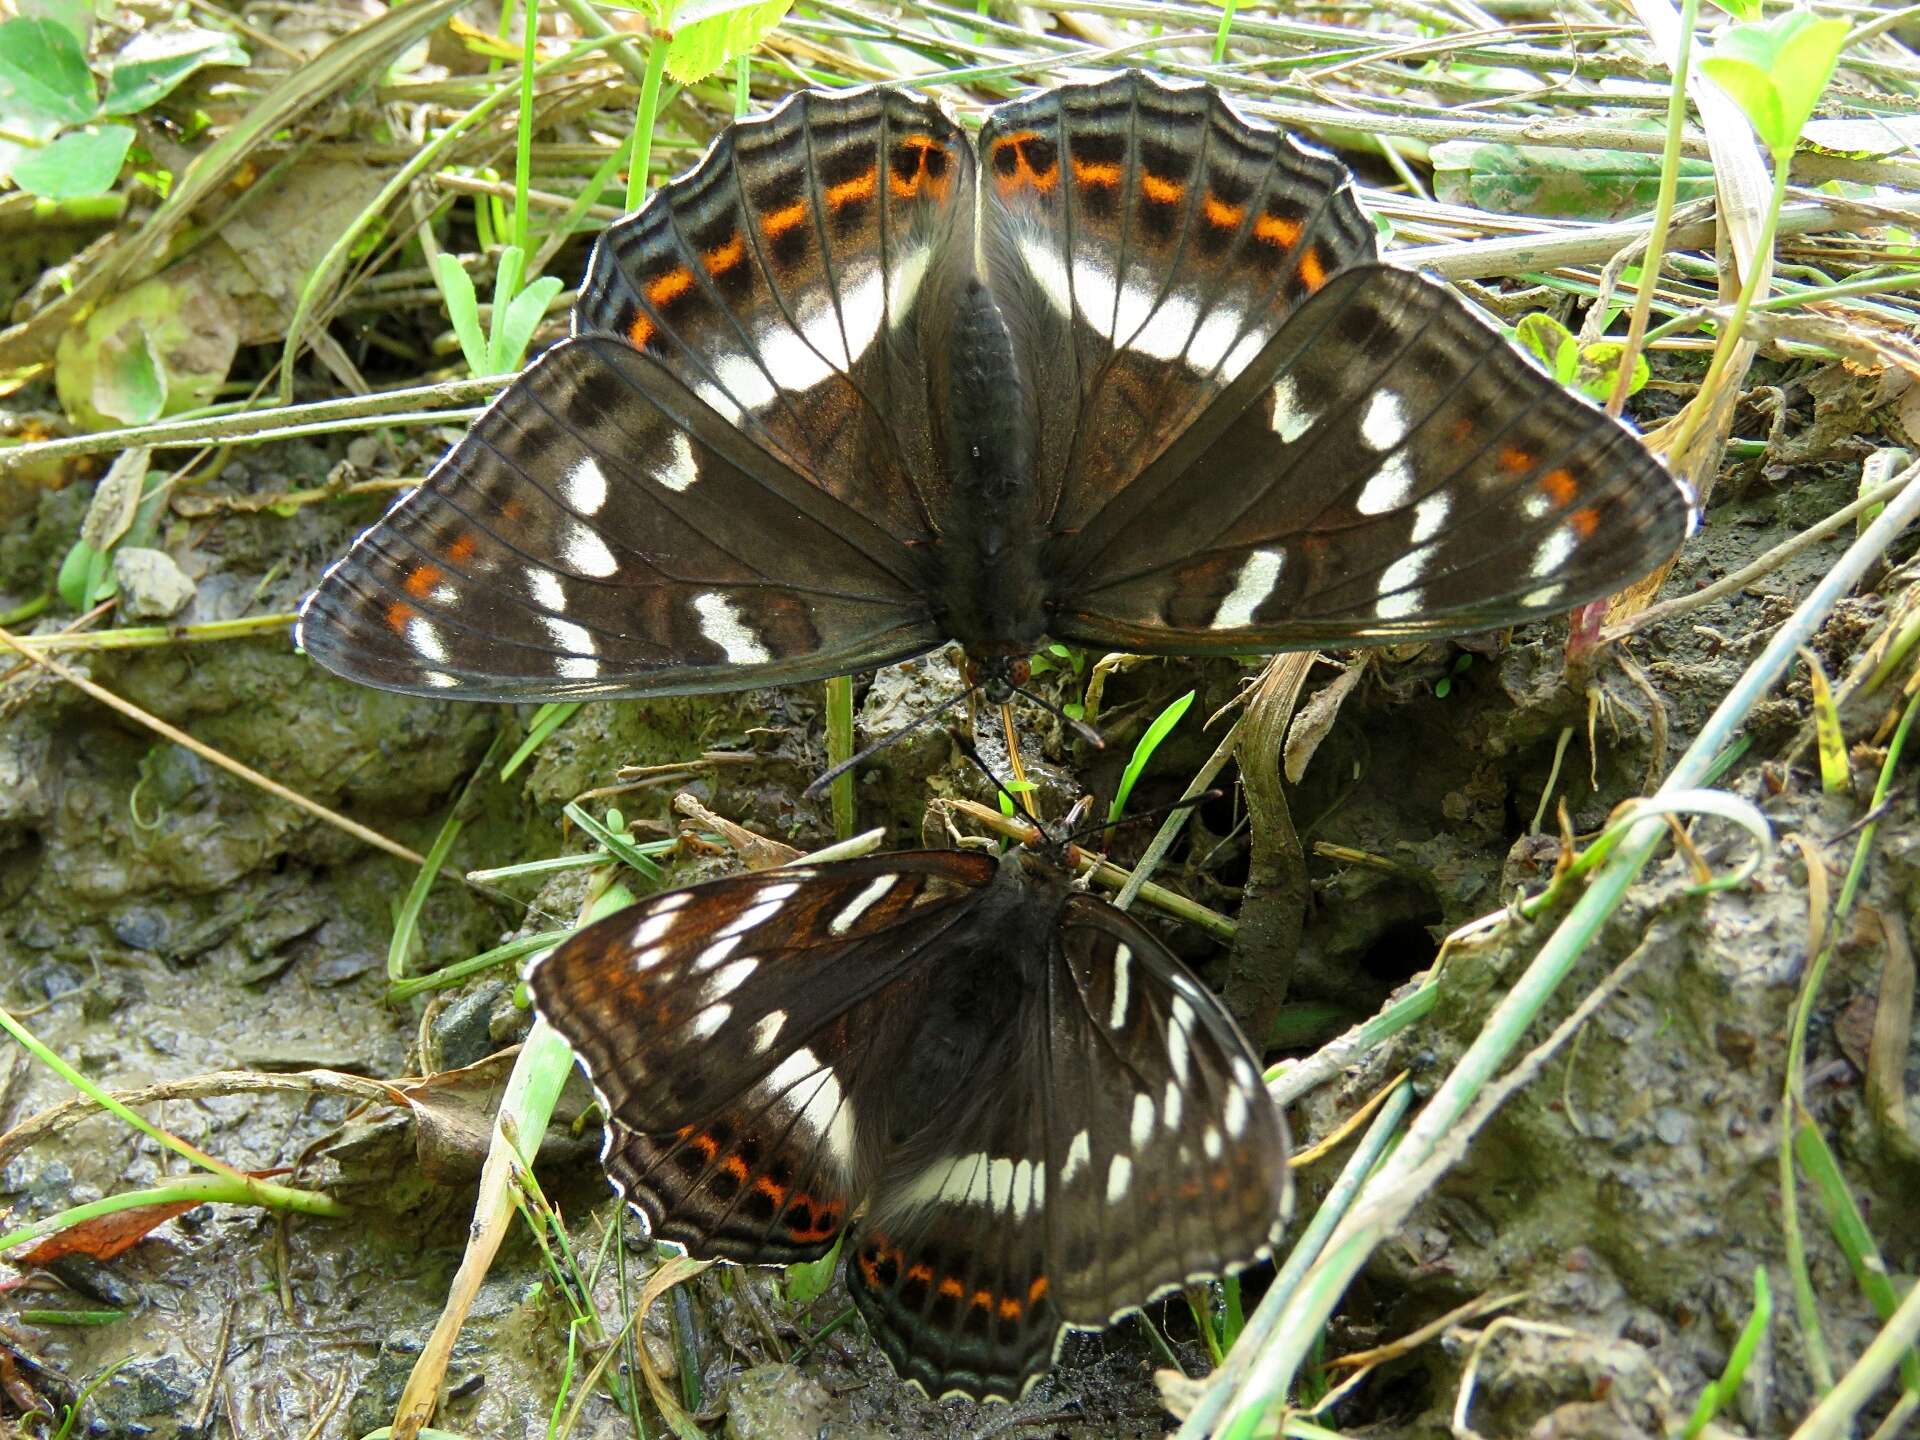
{"points": [[585, 486], [567, 635], [1236, 1112], [1142, 1129], [709, 1020], [677, 471], [1122, 959], [1119, 1177], [440, 680], [1398, 598], [1211, 1143], [715, 955], [1170, 1108], [1545, 595], [1552, 552], [908, 271], [1429, 515], [1078, 1154], [1384, 425], [1388, 488], [720, 622], [743, 384], [1168, 330], [728, 979], [862, 903], [659, 920], [1258, 574], [1049, 272], [424, 636], [1291, 419], [1212, 341], [587, 553], [762, 909], [821, 1108], [578, 667], [548, 591], [1243, 1075], [650, 957], [1177, 1030], [768, 1030]]}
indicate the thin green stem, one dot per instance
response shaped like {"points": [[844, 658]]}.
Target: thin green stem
{"points": [[184, 1190], [644, 117], [1729, 338], [840, 750], [1662, 209], [523, 138]]}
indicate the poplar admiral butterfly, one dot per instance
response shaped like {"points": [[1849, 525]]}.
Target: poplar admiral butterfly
{"points": [[1018, 1107], [1126, 374]]}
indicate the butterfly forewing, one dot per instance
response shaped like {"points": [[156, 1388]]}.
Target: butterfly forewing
{"points": [[1389, 467], [599, 532], [730, 1030], [1145, 243]]}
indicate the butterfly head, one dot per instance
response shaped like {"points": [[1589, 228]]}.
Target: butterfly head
{"points": [[998, 677]]}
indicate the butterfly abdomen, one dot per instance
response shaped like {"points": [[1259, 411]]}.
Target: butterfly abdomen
{"points": [[989, 450]]}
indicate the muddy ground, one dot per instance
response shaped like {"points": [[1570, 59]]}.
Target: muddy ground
{"points": [[160, 919]]}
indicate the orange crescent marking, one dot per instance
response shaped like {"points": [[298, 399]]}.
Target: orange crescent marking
{"points": [[771, 1188], [1037, 1289], [1161, 192], [735, 1167], [1222, 215], [983, 1300], [667, 288], [421, 580], [462, 548], [776, 224], [1089, 172], [1277, 230], [1010, 1309], [951, 1286], [861, 187], [640, 332], [1584, 521], [922, 1273], [1560, 486], [723, 258], [1513, 458], [398, 614], [1313, 270]]}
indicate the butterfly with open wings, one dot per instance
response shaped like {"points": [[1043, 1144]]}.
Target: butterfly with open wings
{"points": [[1023, 1112], [1126, 373]]}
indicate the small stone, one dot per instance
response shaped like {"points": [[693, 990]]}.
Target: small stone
{"points": [[152, 586]]}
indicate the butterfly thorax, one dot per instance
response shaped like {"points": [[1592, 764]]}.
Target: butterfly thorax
{"points": [[988, 531]]}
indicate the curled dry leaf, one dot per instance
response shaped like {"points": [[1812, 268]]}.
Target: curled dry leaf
{"points": [[1315, 719]]}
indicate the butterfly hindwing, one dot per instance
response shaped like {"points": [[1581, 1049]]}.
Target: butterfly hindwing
{"points": [[1127, 1148], [1399, 471], [728, 1029]]}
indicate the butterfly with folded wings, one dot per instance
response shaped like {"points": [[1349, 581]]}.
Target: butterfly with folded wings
{"points": [[1126, 372], [1018, 1107]]}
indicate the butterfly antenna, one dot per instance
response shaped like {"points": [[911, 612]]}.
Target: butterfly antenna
{"points": [[1185, 802], [1079, 727], [1019, 808], [818, 787]]}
